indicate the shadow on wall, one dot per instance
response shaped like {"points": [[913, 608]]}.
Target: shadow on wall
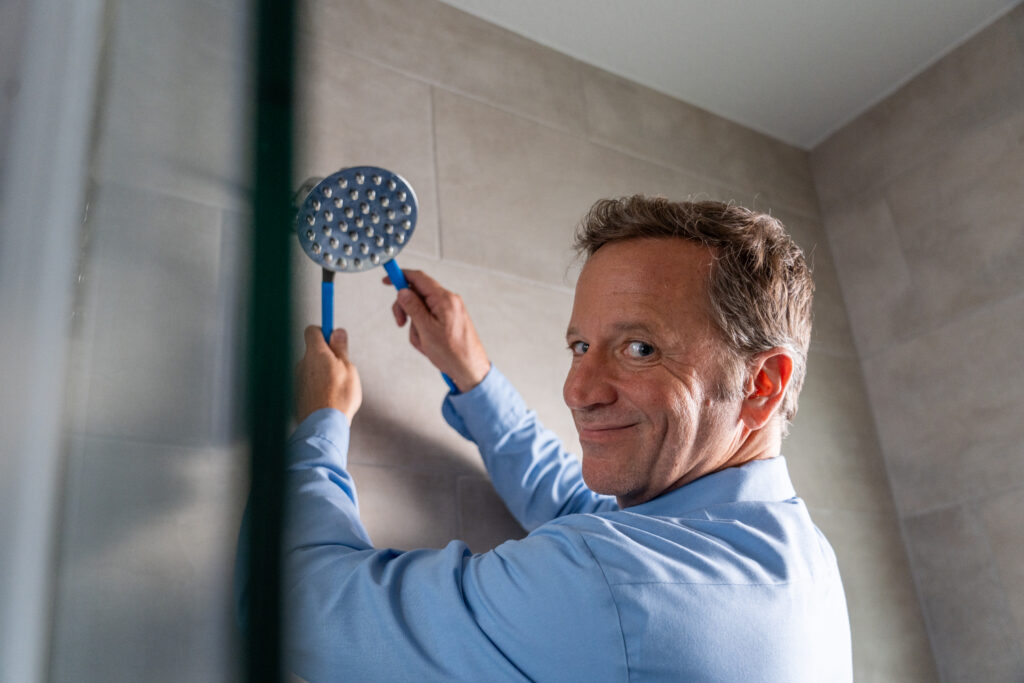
{"points": [[418, 491]]}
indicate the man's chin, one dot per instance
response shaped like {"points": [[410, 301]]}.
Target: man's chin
{"points": [[600, 478]]}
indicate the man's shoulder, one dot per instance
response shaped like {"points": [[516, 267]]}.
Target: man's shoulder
{"points": [[745, 543]]}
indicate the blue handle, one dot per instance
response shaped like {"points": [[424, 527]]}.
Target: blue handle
{"points": [[396, 274], [327, 309], [398, 280]]}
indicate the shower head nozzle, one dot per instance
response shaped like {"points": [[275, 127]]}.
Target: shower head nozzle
{"points": [[360, 197]]}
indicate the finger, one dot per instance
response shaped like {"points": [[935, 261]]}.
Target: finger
{"points": [[413, 305], [314, 337], [386, 280], [339, 343], [400, 316], [423, 283], [414, 338]]}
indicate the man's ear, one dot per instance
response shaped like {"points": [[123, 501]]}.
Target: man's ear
{"points": [[765, 388]]}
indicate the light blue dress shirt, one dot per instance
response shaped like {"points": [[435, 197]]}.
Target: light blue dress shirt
{"points": [[724, 579]]}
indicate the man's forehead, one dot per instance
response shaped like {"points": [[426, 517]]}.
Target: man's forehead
{"points": [[657, 284], [673, 261]]}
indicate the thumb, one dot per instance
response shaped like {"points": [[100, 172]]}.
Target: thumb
{"points": [[339, 343], [413, 305]]}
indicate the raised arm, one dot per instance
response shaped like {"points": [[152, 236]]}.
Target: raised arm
{"points": [[530, 469], [523, 612]]}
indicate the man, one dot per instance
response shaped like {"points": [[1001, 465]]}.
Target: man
{"points": [[677, 551]]}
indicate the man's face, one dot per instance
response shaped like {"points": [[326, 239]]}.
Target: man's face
{"points": [[647, 370]]}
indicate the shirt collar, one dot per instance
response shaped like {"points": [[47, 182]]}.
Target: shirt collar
{"points": [[757, 480]]}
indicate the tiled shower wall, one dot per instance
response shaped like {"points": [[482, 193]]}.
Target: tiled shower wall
{"points": [[921, 199], [156, 466], [507, 144]]}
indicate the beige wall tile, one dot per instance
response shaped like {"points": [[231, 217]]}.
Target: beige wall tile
{"points": [[876, 280], [176, 115], [959, 224], [151, 303], [457, 51], [1001, 516], [889, 639], [832, 453], [777, 172], [13, 21], [831, 331], [956, 467], [229, 367], [484, 521], [638, 120], [351, 112], [919, 196], [512, 191], [406, 509], [947, 409], [972, 630], [849, 162], [628, 116], [146, 563]]}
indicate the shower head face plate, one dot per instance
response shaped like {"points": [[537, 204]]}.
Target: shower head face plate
{"points": [[356, 219]]}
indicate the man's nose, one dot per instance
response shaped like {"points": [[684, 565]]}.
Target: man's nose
{"points": [[590, 383]]}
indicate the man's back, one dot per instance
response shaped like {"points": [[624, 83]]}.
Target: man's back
{"points": [[742, 590]]}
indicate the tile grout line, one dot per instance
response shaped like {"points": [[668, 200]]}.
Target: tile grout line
{"points": [[942, 323], [962, 501], [583, 135], [918, 593], [437, 174]]}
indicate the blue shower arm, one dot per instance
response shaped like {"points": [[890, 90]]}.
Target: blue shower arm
{"points": [[327, 309]]}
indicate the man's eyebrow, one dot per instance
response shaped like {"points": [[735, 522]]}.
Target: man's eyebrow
{"points": [[621, 327]]}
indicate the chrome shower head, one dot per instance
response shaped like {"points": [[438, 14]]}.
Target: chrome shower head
{"points": [[356, 218]]}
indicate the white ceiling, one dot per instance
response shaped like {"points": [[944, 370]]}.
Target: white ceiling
{"points": [[797, 70]]}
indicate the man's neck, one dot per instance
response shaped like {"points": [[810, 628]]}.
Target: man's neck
{"points": [[762, 444]]}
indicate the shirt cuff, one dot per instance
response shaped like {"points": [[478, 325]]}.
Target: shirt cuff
{"points": [[488, 411], [327, 430]]}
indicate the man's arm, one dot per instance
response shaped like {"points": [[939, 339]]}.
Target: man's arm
{"points": [[536, 477], [532, 472], [325, 379], [536, 609]]}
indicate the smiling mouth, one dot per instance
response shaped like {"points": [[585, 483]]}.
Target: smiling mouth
{"points": [[600, 432]]}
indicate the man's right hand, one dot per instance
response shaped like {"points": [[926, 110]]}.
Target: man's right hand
{"points": [[441, 330], [325, 378]]}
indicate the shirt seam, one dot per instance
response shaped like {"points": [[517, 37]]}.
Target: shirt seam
{"points": [[615, 604], [700, 583], [317, 437]]}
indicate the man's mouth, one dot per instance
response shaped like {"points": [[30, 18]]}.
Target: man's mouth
{"points": [[601, 432]]}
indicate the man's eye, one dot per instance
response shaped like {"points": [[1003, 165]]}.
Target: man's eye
{"points": [[639, 349], [578, 348]]}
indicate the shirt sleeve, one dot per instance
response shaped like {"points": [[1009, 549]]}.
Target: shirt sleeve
{"points": [[530, 469], [537, 609]]}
